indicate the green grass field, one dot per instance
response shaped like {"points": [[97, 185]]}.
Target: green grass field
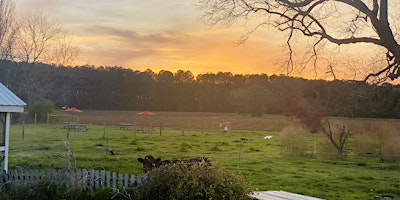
{"points": [[261, 161]]}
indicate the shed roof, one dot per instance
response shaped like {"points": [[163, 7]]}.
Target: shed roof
{"points": [[9, 102]]}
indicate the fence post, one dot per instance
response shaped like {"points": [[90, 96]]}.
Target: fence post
{"points": [[78, 178], [91, 179], [96, 179], [161, 128], [114, 181], [104, 129], [126, 181], [103, 178], [108, 178], [84, 178], [120, 179], [240, 150], [23, 130]]}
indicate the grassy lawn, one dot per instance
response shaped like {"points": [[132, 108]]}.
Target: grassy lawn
{"points": [[261, 161]]}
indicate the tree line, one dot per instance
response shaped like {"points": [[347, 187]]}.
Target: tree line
{"points": [[117, 88]]}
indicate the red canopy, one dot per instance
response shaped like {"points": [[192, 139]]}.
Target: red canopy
{"points": [[146, 113], [72, 109]]}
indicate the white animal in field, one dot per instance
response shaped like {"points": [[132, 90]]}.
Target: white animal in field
{"points": [[268, 137]]}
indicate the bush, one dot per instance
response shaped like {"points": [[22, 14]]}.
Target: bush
{"points": [[49, 190], [201, 181], [43, 189], [41, 108]]}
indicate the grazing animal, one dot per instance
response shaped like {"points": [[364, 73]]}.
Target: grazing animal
{"points": [[149, 162]]}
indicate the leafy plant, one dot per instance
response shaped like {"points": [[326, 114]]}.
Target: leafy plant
{"points": [[40, 109], [198, 181]]}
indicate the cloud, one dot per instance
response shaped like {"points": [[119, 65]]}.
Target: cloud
{"points": [[133, 37]]}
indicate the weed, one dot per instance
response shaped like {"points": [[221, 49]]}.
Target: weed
{"points": [[140, 149], [368, 178], [252, 149], [133, 142], [215, 148], [362, 164], [222, 143]]}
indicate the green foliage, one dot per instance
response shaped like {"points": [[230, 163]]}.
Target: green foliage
{"points": [[42, 190], [199, 181], [49, 190], [41, 109]]}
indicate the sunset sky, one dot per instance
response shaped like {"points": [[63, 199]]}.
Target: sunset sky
{"points": [[159, 34]]}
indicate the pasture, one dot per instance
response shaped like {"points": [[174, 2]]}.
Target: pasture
{"points": [[263, 163]]}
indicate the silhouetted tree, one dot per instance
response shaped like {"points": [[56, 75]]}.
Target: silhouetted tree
{"points": [[338, 22]]}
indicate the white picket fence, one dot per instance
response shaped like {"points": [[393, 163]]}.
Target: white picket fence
{"points": [[77, 178]]}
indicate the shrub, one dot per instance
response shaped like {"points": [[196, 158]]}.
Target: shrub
{"points": [[201, 181], [48, 189], [44, 189], [40, 108]]}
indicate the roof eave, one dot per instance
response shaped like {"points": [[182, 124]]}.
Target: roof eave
{"points": [[18, 109]]}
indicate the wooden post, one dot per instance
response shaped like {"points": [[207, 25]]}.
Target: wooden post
{"points": [[240, 150], [104, 129], [48, 118], [35, 117], [23, 130], [161, 128]]}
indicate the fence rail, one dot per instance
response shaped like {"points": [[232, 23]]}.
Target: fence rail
{"points": [[77, 178]]}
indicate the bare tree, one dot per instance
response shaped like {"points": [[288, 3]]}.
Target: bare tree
{"points": [[7, 9], [62, 52], [338, 22], [315, 121], [37, 39], [34, 36]]}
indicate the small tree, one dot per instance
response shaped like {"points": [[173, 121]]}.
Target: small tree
{"points": [[316, 121], [41, 108]]}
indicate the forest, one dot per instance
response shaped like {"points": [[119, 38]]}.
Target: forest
{"points": [[117, 88]]}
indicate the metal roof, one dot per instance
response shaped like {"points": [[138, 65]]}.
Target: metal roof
{"points": [[8, 98]]}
